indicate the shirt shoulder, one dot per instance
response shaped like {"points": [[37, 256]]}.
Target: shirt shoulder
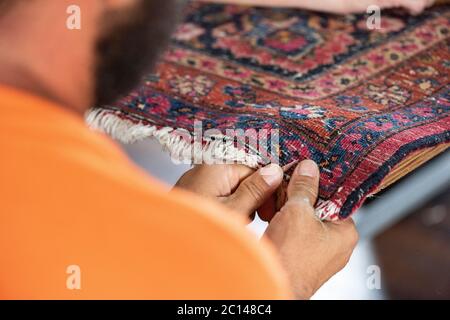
{"points": [[73, 198]]}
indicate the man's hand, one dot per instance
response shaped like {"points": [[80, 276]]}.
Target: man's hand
{"points": [[310, 250], [236, 186], [413, 6], [337, 6]]}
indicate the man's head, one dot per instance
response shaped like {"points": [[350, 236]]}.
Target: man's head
{"points": [[129, 43], [118, 41]]}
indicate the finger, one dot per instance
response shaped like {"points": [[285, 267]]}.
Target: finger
{"points": [[304, 183], [414, 6], [226, 178], [256, 189], [236, 174], [267, 209]]}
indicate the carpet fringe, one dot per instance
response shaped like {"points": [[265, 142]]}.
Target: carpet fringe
{"points": [[327, 210], [178, 142], [181, 150]]}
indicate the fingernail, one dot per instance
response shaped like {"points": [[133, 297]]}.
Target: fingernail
{"points": [[271, 174], [307, 168]]}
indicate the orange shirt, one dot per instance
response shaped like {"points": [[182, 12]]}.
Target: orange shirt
{"points": [[70, 197]]}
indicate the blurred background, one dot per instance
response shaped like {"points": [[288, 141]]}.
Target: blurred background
{"points": [[404, 247]]}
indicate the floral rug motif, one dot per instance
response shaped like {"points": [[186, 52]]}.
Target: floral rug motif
{"points": [[359, 102]]}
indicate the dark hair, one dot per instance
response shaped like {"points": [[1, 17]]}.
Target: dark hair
{"points": [[5, 5], [130, 45]]}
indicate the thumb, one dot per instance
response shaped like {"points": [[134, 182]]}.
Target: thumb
{"points": [[256, 189], [415, 6], [304, 184]]}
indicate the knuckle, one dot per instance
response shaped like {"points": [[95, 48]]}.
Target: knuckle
{"points": [[303, 182], [254, 189], [352, 233], [305, 185], [345, 261], [298, 206], [348, 234], [353, 237], [345, 258], [199, 168]]}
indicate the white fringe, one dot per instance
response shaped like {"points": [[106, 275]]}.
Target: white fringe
{"points": [[219, 150], [182, 150], [327, 210]]}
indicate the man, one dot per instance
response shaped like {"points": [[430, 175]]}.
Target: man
{"points": [[79, 220]]}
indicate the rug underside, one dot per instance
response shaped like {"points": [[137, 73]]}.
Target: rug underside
{"points": [[369, 106]]}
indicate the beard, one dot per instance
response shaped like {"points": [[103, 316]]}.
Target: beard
{"points": [[129, 44]]}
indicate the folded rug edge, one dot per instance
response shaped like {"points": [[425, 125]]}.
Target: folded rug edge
{"points": [[125, 130]]}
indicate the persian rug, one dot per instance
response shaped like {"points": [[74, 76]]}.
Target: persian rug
{"points": [[368, 106]]}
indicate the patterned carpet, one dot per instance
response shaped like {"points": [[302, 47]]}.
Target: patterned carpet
{"points": [[367, 105]]}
